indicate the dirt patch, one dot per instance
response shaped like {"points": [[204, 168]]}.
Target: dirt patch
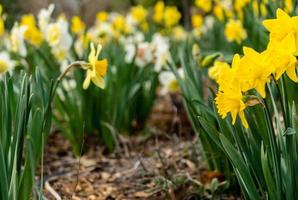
{"points": [[166, 163]]}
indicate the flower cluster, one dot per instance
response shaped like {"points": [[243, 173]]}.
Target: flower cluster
{"points": [[254, 70]]}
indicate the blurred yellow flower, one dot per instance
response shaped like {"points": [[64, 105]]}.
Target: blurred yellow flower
{"points": [[96, 69], [288, 6], [172, 16], [139, 13], [234, 31], [205, 5], [179, 33], [102, 16], [119, 23], [239, 5], [197, 21], [158, 14], [219, 12], [77, 25], [2, 28], [32, 33], [259, 10]]}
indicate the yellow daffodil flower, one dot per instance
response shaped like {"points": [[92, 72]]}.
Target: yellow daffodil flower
{"points": [[217, 69], [254, 70], [102, 16], [171, 16], [219, 12], [234, 31], [288, 6], [239, 5], [205, 5], [229, 98], [77, 25], [2, 28], [139, 13], [283, 57], [32, 34], [96, 69], [282, 28], [179, 33], [159, 12], [259, 9], [197, 21], [119, 23]]}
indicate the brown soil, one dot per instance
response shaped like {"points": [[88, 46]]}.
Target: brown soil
{"points": [[165, 163]]}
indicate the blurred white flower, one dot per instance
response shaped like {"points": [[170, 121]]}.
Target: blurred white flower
{"points": [[59, 38], [169, 82], [130, 52], [79, 45], [17, 42], [136, 47], [208, 24], [44, 17], [69, 85], [101, 33], [161, 48], [6, 63], [57, 34], [144, 54]]}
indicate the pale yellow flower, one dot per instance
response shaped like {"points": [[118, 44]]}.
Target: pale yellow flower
{"points": [[96, 69]]}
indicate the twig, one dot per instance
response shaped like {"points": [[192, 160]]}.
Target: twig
{"points": [[52, 191], [143, 165], [79, 163]]}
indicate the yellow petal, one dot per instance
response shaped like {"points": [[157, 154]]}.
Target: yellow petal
{"points": [[282, 14], [236, 60], [87, 80], [249, 51], [243, 119], [92, 55], [261, 89], [291, 72], [99, 81], [234, 116]]}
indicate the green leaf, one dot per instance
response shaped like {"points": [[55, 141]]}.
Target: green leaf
{"points": [[268, 174], [244, 175]]}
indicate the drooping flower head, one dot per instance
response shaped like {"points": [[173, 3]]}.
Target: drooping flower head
{"points": [[96, 69]]}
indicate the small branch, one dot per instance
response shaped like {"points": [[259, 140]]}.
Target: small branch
{"points": [[52, 191]]}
